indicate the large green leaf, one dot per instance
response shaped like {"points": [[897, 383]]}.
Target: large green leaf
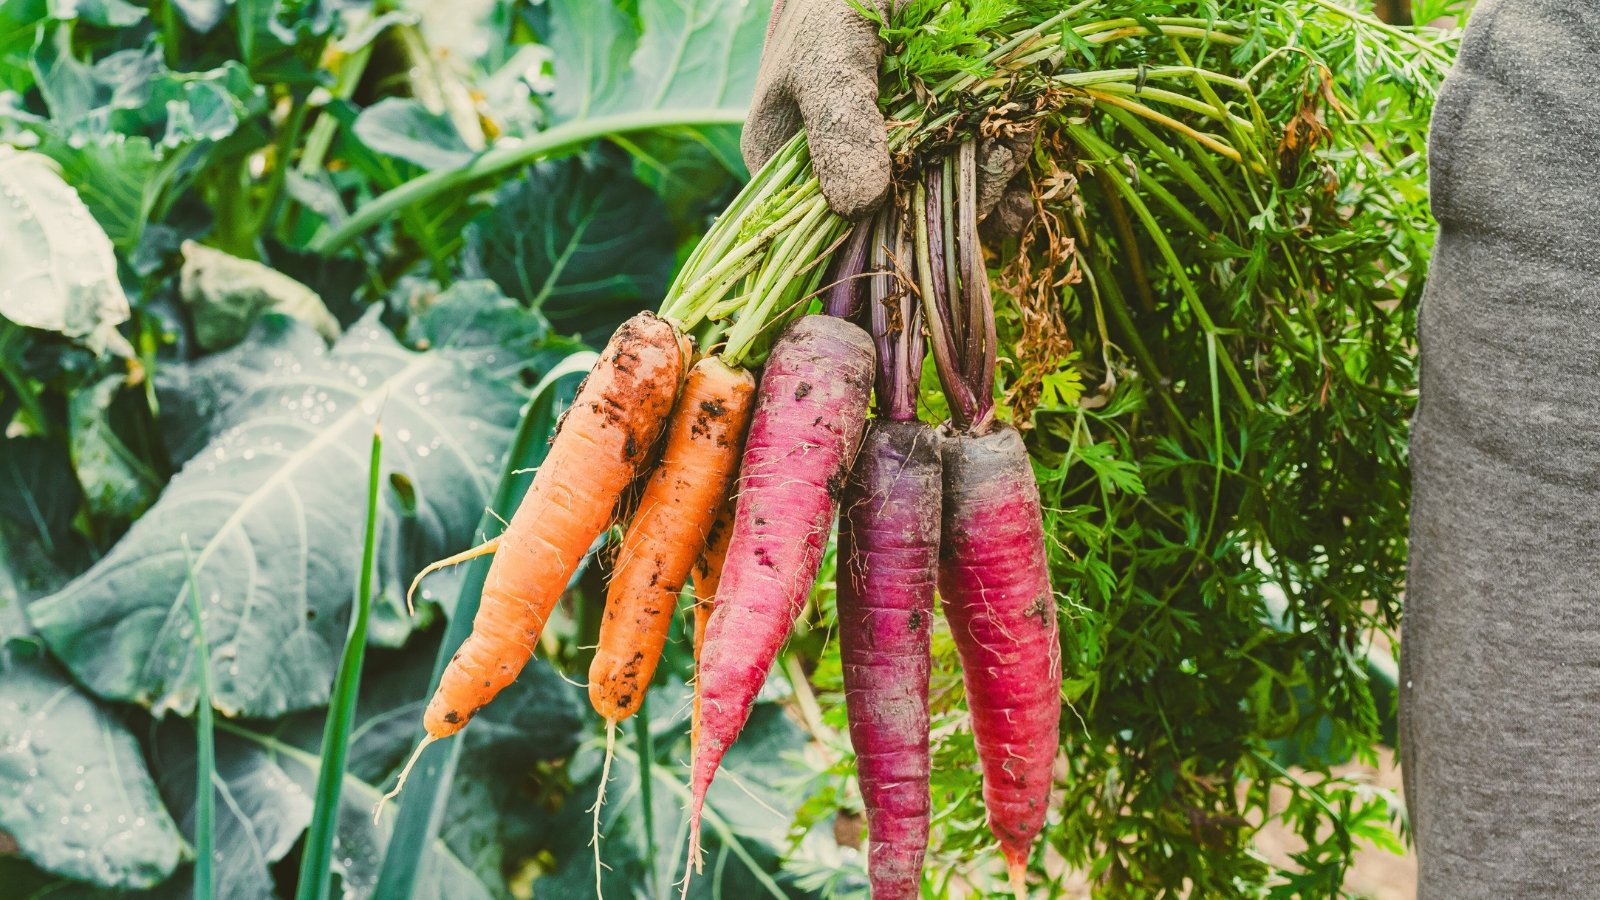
{"points": [[473, 316], [59, 273], [579, 239], [688, 53], [272, 507], [74, 790]]}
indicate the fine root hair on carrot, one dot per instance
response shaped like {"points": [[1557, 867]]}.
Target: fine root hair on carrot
{"points": [[482, 549], [599, 801], [377, 808]]}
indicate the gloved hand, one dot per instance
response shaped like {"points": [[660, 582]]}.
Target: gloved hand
{"points": [[820, 67]]}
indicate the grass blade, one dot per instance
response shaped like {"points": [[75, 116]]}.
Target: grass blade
{"points": [[421, 810], [205, 764], [316, 874]]}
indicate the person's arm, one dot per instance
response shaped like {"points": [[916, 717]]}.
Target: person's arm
{"points": [[820, 69]]}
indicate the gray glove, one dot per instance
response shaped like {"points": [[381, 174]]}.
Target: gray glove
{"points": [[820, 68]]}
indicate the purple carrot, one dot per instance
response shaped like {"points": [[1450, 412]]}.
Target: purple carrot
{"points": [[811, 410], [888, 554], [888, 551]]}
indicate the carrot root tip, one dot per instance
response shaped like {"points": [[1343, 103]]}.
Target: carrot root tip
{"points": [[692, 864], [377, 808], [600, 800], [1017, 872]]}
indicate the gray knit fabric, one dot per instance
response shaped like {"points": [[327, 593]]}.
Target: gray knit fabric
{"points": [[1500, 666]]}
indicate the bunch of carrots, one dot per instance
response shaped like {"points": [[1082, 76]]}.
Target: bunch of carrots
{"points": [[775, 393], [748, 476]]}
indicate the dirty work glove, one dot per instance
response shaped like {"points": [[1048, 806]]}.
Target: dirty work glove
{"points": [[820, 68]]}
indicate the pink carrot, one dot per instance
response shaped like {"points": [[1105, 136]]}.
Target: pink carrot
{"points": [[811, 409], [995, 587]]}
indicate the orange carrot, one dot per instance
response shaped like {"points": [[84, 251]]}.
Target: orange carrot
{"points": [[707, 572], [607, 433], [676, 513]]}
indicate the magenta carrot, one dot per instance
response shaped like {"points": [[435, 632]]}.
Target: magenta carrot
{"points": [[811, 408], [995, 588]]}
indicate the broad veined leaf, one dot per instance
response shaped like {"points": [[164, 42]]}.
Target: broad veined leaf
{"points": [[57, 269], [272, 507], [226, 294], [580, 240], [74, 790], [693, 54], [475, 317], [404, 129]]}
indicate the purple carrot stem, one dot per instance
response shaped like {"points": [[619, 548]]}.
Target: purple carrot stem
{"points": [[943, 321], [880, 291], [844, 282], [977, 350]]}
